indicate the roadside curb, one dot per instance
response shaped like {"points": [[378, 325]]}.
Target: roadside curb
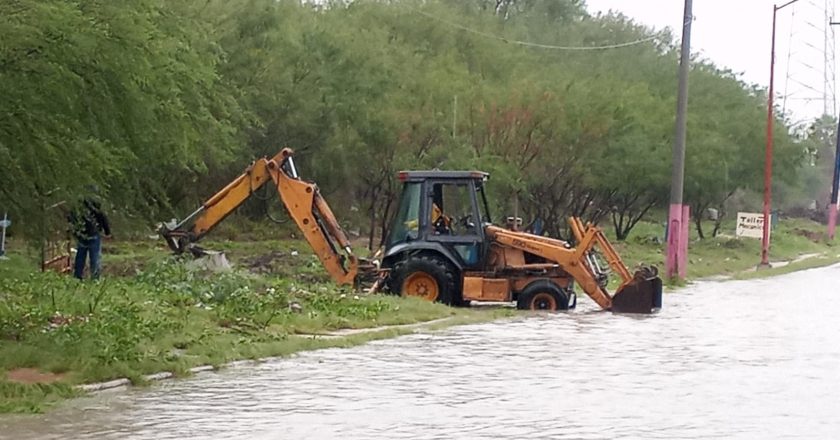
{"points": [[773, 265], [155, 377], [166, 375], [345, 332]]}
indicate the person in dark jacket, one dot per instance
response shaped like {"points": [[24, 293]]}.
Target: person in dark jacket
{"points": [[87, 222]]}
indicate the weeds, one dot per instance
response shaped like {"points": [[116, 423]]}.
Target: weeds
{"points": [[22, 398], [168, 317]]}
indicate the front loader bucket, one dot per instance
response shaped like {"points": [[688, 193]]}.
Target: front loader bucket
{"points": [[643, 294]]}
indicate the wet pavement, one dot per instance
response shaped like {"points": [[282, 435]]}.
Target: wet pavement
{"points": [[737, 359]]}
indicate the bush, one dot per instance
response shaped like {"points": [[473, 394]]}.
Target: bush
{"points": [[106, 319], [344, 305]]}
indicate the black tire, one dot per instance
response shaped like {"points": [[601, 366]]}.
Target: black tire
{"points": [[543, 295], [439, 269]]}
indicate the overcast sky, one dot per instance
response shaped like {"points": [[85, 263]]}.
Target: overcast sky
{"points": [[737, 34]]}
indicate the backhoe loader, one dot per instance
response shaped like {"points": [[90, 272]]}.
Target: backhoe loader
{"points": [[442, 245]]}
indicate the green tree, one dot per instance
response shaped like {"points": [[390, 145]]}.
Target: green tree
{"points": [[100, 92]]}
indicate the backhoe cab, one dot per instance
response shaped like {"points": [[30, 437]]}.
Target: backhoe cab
{"points": [[443, 247]]}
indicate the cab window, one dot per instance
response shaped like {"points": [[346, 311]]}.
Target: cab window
{"points": [[407, 220], [452, 210]]}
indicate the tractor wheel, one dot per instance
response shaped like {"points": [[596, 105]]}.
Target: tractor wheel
{"points": [[425, 276], [543, 295]]}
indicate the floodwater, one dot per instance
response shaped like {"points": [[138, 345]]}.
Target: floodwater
{"points": [[739, 359]]}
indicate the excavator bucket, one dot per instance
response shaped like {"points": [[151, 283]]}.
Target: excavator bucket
{"points": [[642, 294]]}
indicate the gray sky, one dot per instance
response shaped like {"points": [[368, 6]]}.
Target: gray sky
{"points": [[737, 34]]}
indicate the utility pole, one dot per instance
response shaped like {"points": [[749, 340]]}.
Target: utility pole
{"points": [[768, 150], [676, 254], [832, 206], [835, 182]]}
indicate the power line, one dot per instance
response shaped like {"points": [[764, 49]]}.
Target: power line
{"points": [[530, 44]]}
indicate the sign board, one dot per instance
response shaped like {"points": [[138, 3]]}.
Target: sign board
{"points": [[750, 225], [5, 223]]}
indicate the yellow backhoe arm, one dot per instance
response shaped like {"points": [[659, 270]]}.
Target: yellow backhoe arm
{"points": [[303, 202]]}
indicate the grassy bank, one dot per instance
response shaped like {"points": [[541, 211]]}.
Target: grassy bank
{"points": [[726, 255], [152, 312]]}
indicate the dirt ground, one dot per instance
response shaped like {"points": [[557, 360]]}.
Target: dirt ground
{"points": [[32, 376], [816, 237], [266, 263]]}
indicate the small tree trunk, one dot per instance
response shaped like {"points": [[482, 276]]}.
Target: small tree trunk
{"points": [[386, 219], [372, 228], [621, 234], [698, 222], [618, 225], [718, 222], [699, 209]]}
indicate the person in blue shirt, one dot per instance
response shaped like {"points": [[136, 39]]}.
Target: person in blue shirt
{"points": [[88, 224]]}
